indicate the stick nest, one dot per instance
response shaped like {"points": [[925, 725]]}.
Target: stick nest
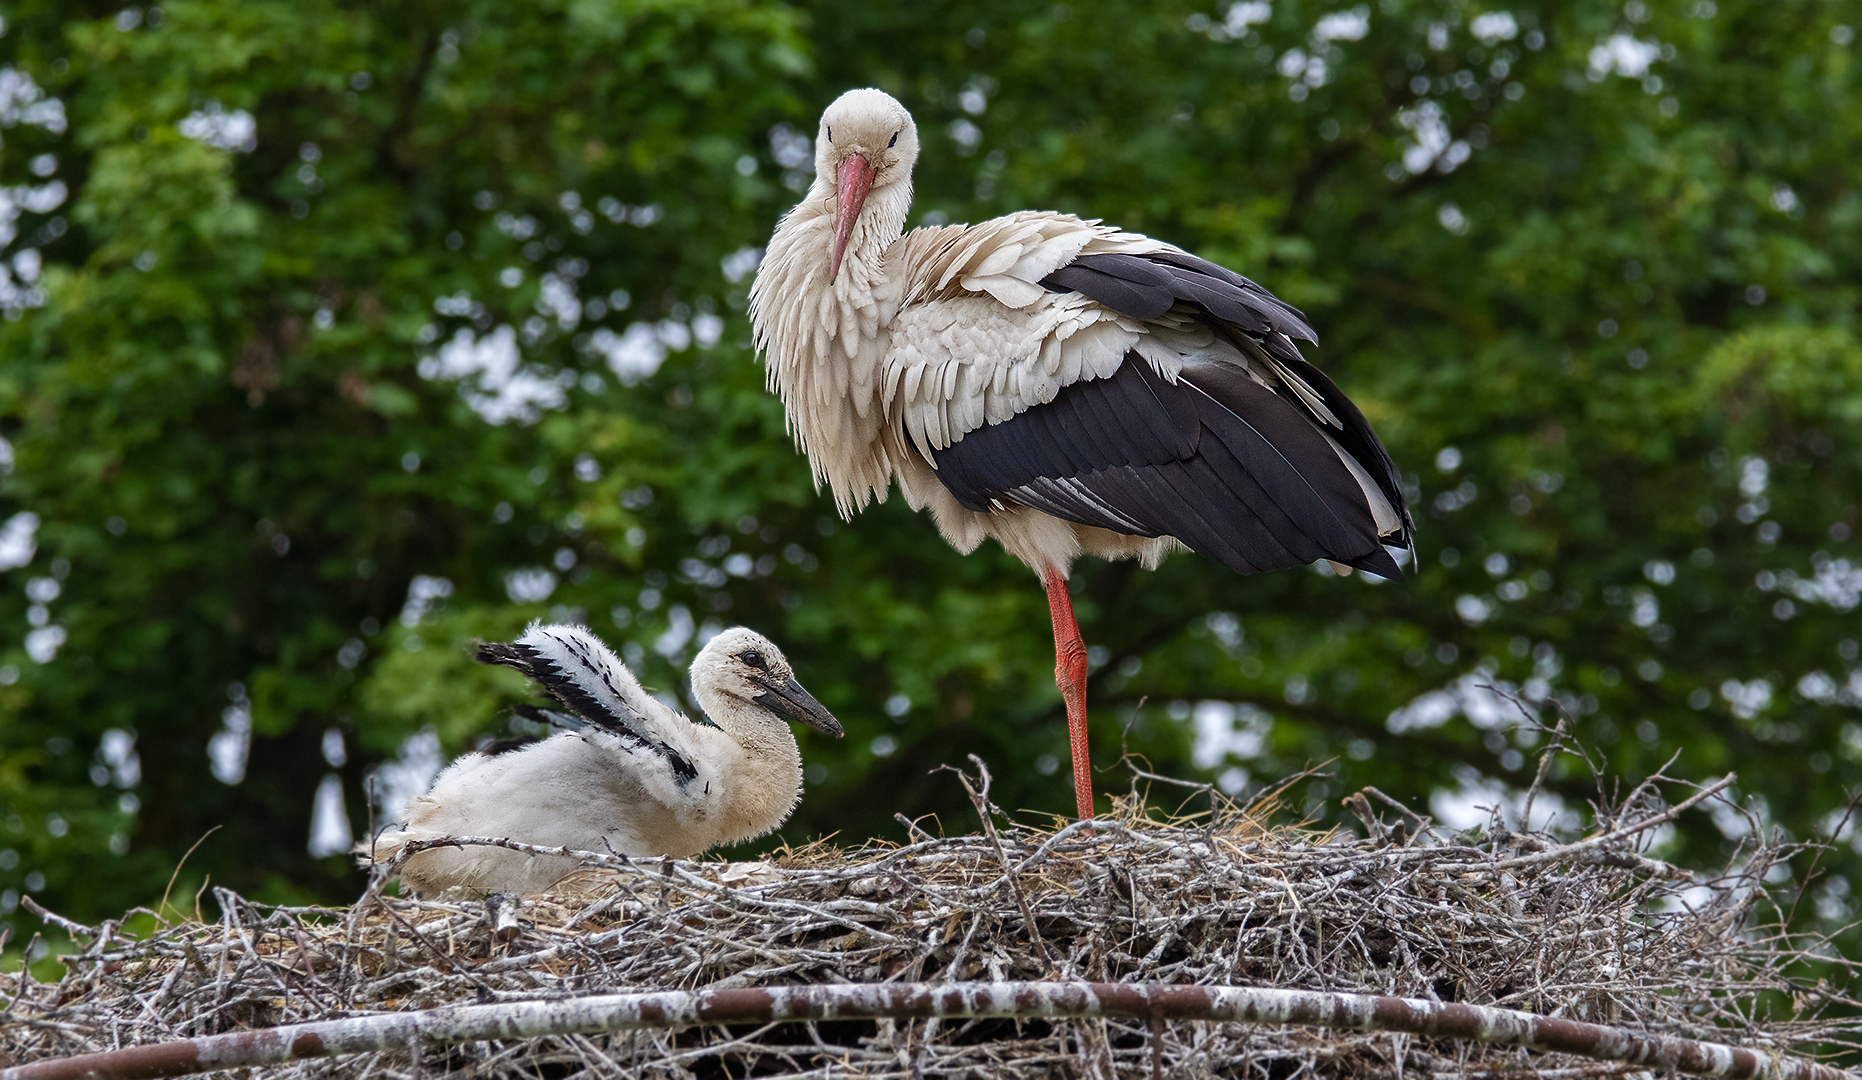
{"points": [[1593, 930]]}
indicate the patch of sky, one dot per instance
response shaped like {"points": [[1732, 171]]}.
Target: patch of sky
{"points": [[1432, 144], [492, 377], [227, 749], [19, 534], [424, 593], [531, 585], [415, 764], [233, 131], [1472, 695], [330, 833], [1476, 800]]}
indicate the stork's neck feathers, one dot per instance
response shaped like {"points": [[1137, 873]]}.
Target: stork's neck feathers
{"points": [[804, 240], [824, 337], [881, 222], [759, 731], [758, 791]]}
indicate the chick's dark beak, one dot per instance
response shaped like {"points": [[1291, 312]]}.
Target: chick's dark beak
{"points": [[789, 701]]}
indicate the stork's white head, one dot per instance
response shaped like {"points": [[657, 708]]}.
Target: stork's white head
{"points": [[867, 140], [743, 664]]}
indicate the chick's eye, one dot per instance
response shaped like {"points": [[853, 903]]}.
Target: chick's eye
{"points": [[830, 133], [894, 142], [754, 659]]}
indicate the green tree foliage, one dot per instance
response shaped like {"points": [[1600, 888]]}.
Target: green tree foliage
{"points": [[336, 335]]}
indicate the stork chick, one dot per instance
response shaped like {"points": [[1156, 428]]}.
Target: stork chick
{"points": [[1057, 384], [627, 774]]}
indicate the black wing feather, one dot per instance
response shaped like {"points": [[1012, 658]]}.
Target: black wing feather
{"points": [[1357, 438], [1283, 317], [555, 718], [1214, 459], [1160, 432], [563, 688], [1276, 444], [1223, 464], [495, 747], [1169, 276], [1110, 280], [1145, 286]]}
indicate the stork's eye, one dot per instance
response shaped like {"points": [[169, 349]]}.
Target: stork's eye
{"points": [[830, 133], [754, 659], [894, 142]]}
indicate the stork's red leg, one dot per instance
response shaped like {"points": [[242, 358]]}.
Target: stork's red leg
{"points": [[1070, 676]]}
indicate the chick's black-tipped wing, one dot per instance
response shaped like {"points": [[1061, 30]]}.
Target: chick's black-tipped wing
{"points": [[580, 674]]}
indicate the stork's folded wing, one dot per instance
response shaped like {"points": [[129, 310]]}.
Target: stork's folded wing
{"points": [[1215, 459]]}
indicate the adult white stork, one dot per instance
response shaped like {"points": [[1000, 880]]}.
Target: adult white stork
{"points": [[1062, 386], [626, 774]]}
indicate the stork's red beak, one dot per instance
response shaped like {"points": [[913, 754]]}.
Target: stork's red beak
{"points": [[850, 189]]}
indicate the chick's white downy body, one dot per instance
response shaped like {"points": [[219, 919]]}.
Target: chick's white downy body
{"points": [[632, 776]]}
